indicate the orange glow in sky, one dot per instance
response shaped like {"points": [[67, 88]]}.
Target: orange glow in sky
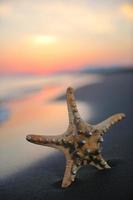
{"points": [[48, 36]]}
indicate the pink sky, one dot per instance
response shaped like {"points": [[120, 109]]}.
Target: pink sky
{"points": [[47, 36]]}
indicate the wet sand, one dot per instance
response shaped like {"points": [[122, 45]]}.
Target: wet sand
{"points": [[34, 113], [42, 180]]}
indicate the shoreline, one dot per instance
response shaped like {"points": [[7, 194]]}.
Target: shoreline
{"points": [[7, 98]]}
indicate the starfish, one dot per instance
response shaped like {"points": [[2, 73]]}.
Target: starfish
{"points": [[81, 143]]}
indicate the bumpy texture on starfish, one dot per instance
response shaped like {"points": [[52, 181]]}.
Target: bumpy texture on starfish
{"points": [[81, 143]]}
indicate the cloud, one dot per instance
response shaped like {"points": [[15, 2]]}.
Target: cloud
{"points": [[127, 11]]}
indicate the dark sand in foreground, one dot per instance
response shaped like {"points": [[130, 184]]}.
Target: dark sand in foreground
{"points": [[42, 181]]}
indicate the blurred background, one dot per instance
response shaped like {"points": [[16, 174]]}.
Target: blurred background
{"points": [[48, 45]]}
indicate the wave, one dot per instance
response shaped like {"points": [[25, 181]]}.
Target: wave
{"points": [[17, 87]]}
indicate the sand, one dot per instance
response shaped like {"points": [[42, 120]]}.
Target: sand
{"points": [[41, 181]]}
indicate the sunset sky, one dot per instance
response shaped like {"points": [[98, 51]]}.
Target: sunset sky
{"points": [[44, 36]]}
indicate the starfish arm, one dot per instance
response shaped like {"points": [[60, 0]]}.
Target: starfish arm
{"points": [[106, 124], [67, 179], [72, 107], [99, 162], [50, 141]]}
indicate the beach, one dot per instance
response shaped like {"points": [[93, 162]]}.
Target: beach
{"points": [[39, 170]]}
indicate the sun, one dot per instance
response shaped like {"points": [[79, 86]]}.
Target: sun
{"points": [[44, 39]]}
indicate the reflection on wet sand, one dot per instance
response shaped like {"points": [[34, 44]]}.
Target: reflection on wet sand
{"points": [[35, 114]]}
